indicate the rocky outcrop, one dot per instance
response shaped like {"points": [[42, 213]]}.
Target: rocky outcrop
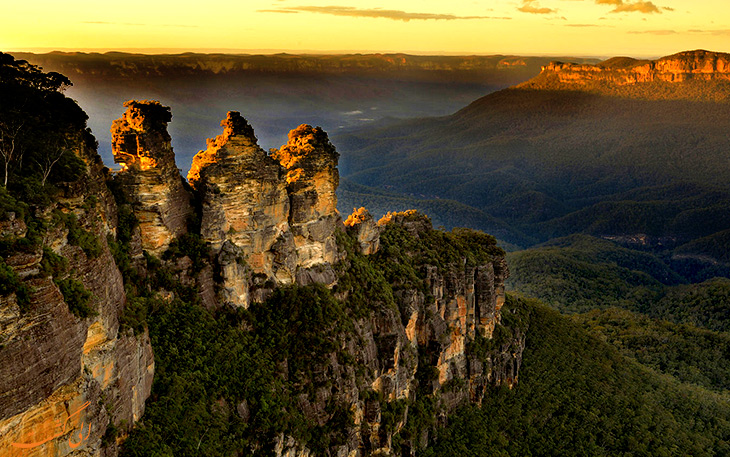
{"points": [[685, 66], [278, 212], [65, 379], [310, 162], [40, 352], [149, 175], [462, 302], [245, 201], [68, 380], [692, 75], [413, 221], [423, 346], [365, 230]]}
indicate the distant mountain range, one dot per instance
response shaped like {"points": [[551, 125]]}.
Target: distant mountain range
{"points": [[577, 149], [278, 92], [497, 69]]}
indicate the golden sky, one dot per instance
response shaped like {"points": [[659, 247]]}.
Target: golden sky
{"points": [[555, 27]]}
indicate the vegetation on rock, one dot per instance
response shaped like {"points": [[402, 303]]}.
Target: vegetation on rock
{"points": [[579, 396]]}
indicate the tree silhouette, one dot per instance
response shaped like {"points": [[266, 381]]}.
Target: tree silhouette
{"points": [[39, 126]]}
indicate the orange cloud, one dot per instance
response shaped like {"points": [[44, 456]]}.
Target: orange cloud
{"points": [[637, 6], [641, 7], [529, 8]]}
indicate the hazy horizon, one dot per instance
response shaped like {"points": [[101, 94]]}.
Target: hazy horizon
{"points": [[523, 27], [314, 52]]}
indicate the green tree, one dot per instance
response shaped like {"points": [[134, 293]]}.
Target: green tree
{"points": [[38, 124]]}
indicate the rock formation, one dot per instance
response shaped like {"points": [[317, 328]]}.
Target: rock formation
{"points": [[277, 212], [310, 161], [467, 300], [266, 220], [273, 217], [367, 232], [54, 364], [244, 200], [684, 66], [690, 75], [435, 320], [149, 175]]}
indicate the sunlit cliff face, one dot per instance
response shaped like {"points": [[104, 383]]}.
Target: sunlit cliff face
{"points": [[139, 138], [142, 145], [130, 153], [237, 139], [685, 66]]}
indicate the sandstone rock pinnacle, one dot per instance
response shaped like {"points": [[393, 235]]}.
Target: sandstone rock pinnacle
{"points": [[312, 178], [278, 211], [244, 200], [238, 132], [140, 143], [367, 232], [139, 138]]}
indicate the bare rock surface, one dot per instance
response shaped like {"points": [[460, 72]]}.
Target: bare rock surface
{"points": [[151, 179]]}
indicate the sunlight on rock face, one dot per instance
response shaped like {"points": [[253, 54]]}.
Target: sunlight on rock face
{"points": [[624, 71], [140, 139], [142, 145], [277, 211], [366, 231]]}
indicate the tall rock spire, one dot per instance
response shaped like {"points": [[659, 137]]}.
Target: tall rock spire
{"points": [[244, 202], [312, 178], [141, 144], [277, 212]]}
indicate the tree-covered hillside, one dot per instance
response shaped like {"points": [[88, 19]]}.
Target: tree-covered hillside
{"points": [[579, 396], [550, 163]]}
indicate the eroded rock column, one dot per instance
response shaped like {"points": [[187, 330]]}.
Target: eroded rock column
{"points": [[310, 161], [244, 202], [149, 175]]}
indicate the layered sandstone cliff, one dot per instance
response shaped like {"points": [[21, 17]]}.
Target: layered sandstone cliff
{"points": [[65, 379], [701, 65], [310, 162], [149, 175], [465, 303], [672, 76], [422, 347], [362, 225], [244, 202]]}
